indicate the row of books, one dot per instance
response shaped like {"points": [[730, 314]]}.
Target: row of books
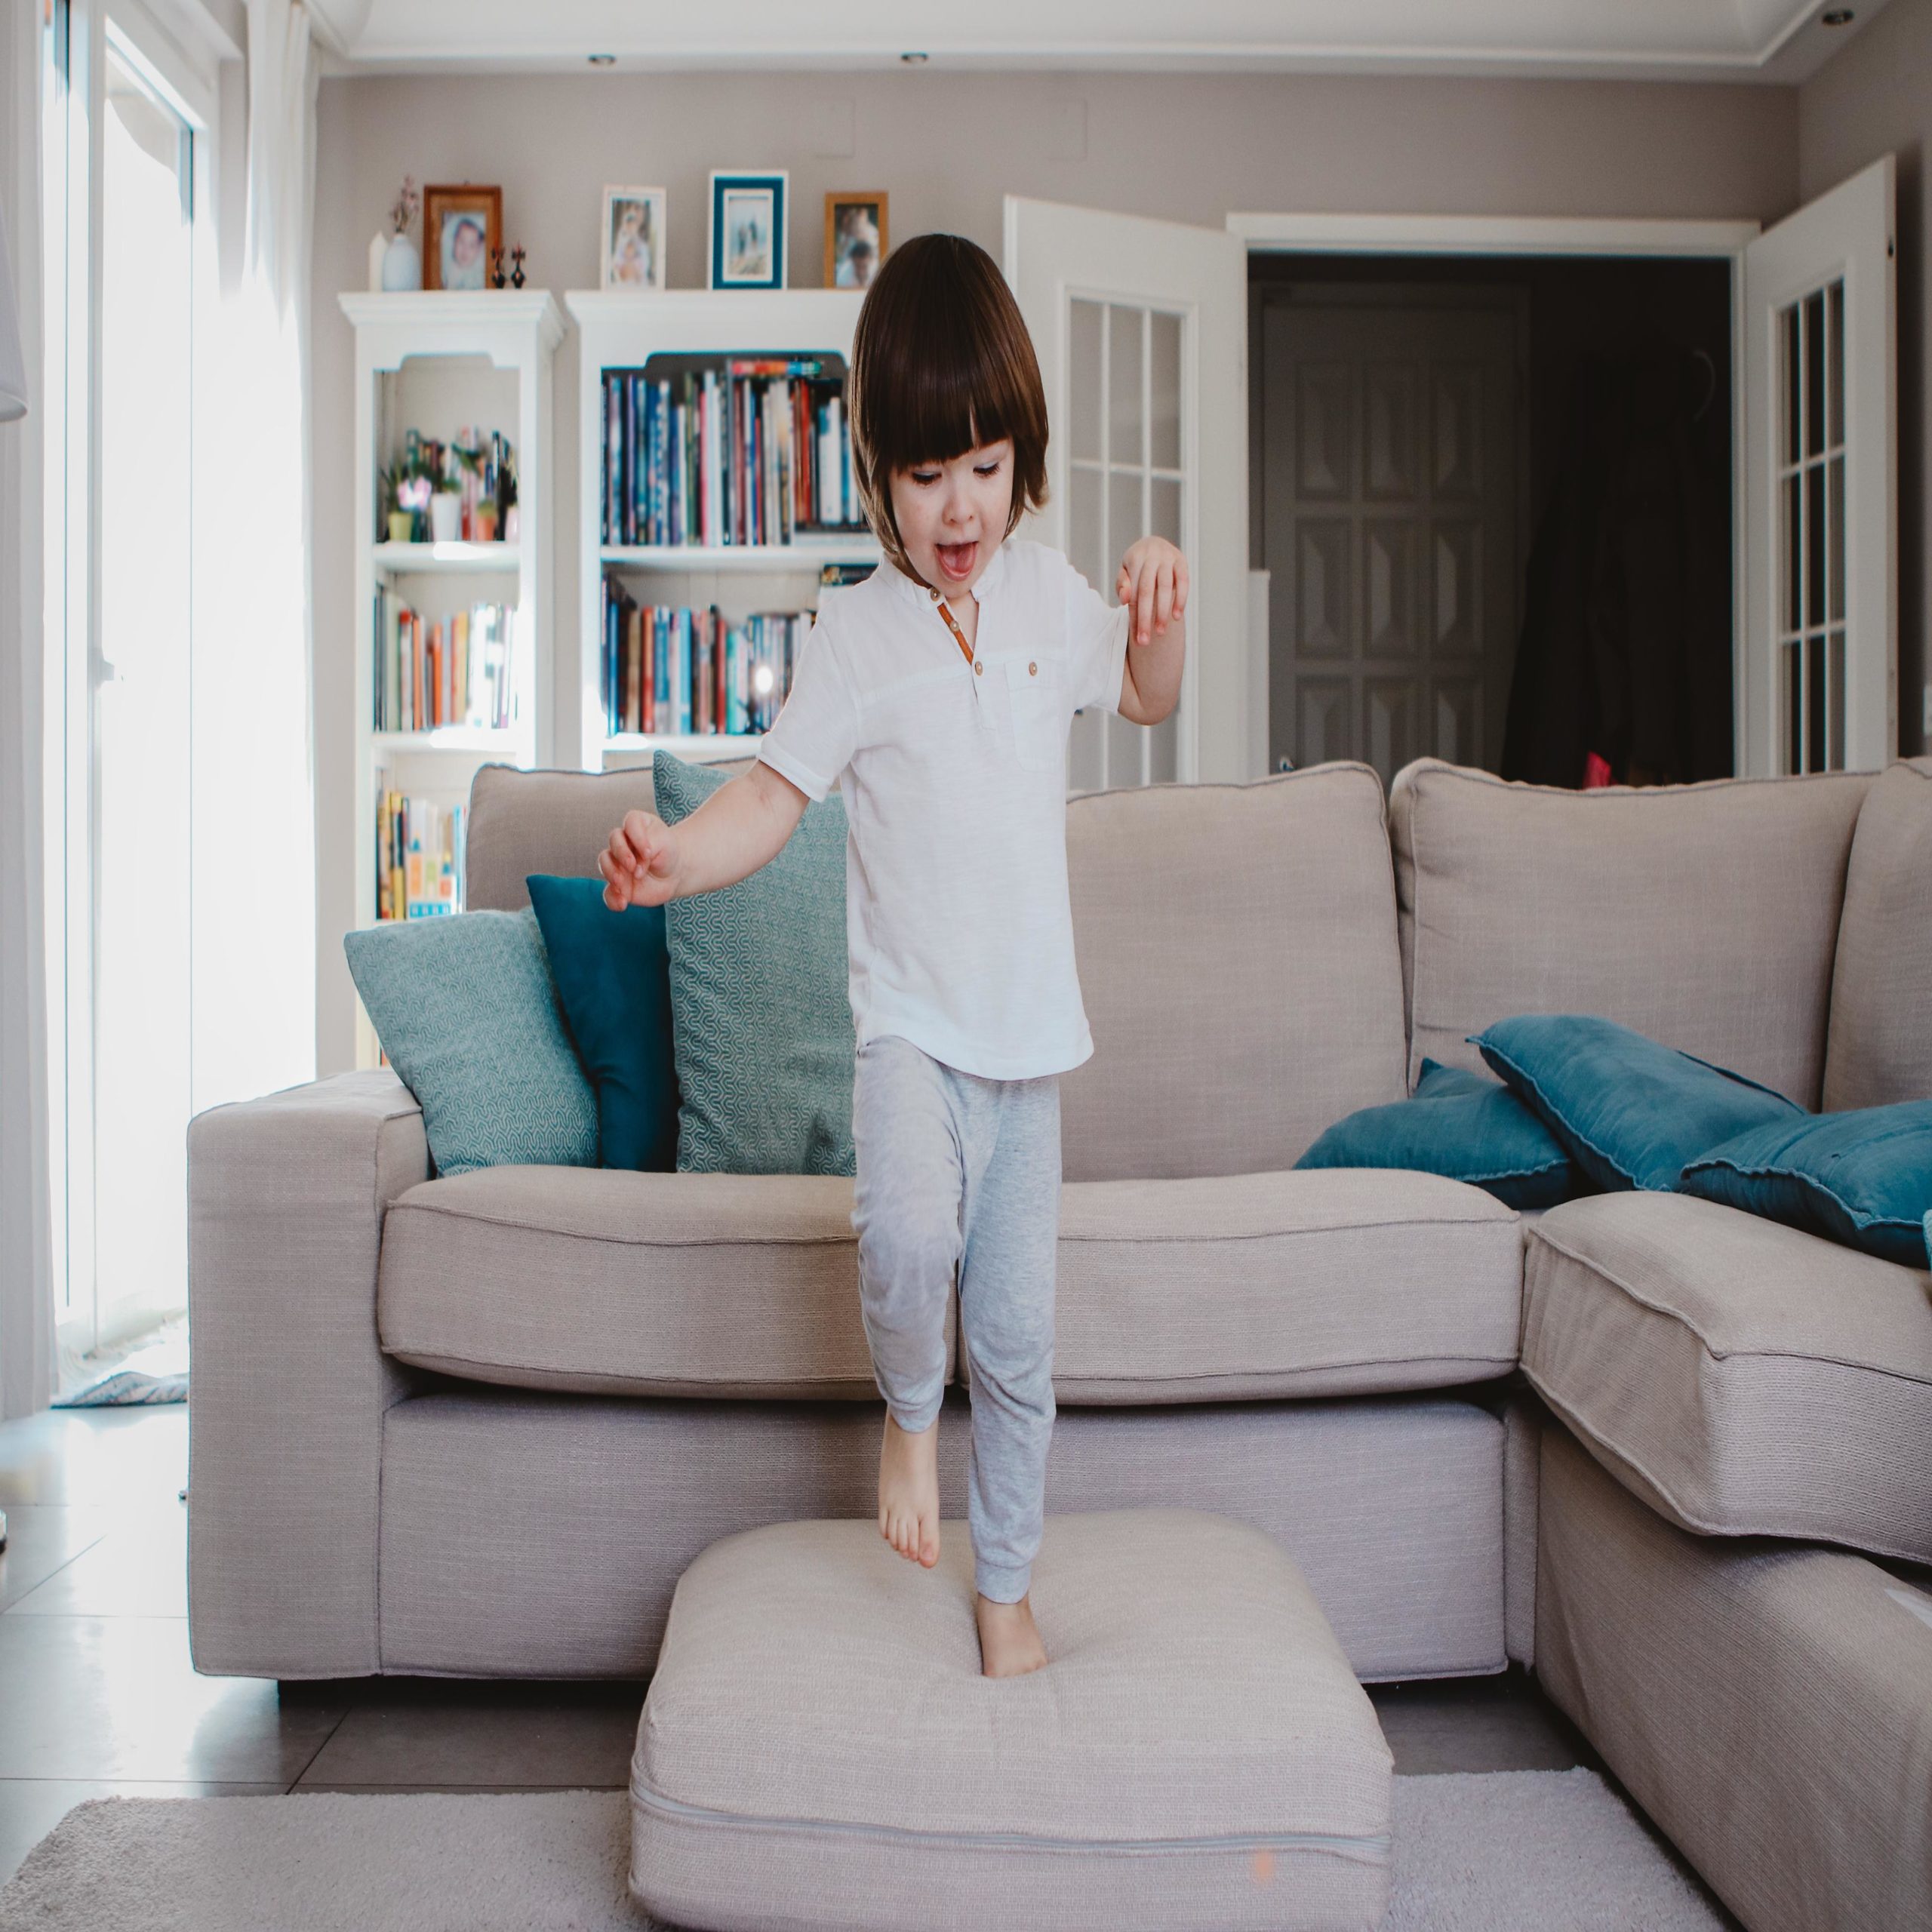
{"points": [[677, 670], [455, 670], [755, 450], [418, 856]]}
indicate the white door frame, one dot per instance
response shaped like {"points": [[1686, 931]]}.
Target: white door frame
{"points": [[1544, 235]]}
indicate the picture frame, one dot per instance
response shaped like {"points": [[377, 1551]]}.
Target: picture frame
{"points": [[463, 228], [632, 251], [855, 237], [746, 244]]}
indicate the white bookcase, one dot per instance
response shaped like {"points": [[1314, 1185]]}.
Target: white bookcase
{"points": [[623, 331], [436, 362]]}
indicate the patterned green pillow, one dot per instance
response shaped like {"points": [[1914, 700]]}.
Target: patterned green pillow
{"points": [[760, 1026], [466, 1010]]}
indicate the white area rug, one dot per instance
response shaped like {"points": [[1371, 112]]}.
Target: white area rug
{"points": [[1512, 1851]]}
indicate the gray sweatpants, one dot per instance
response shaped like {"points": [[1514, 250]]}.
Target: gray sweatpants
{"points": [[955, 1169]]}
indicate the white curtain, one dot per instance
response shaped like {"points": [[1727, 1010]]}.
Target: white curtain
{"points": [[254, 922], [26, 1285]]}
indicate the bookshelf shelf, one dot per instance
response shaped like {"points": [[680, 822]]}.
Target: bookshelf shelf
{"points": [[446, 559], [623, 331], [438, 362], [807, 553]]}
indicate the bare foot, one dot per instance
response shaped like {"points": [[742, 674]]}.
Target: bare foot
{"points": [[1009, 1644], [909, 1491]]}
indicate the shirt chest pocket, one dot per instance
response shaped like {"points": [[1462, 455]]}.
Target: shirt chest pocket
{"points": [[1034, 714]]}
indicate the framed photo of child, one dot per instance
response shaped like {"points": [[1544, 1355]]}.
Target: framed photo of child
{"points": [[633, 238], [747, 238], [855, 239], [463, 228]]}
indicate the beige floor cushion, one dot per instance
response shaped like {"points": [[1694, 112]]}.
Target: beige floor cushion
{"points": [[1330, 1282], [818, 1748], [1743, 1378]]}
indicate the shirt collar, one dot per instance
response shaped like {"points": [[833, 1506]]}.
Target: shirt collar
{"points": [[920, 595]]}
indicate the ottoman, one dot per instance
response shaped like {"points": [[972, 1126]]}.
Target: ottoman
{"points": [[818, 1748]]}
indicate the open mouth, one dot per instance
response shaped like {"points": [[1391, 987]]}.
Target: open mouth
{"points": [[956, 560]]}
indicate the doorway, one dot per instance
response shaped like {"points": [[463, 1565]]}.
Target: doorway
{"points": [[1493, 497]]}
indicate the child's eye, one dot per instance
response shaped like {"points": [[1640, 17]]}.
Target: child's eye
{"points": [[925, 475], [987, 469]]}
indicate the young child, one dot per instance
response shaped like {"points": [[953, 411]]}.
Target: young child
{"points": [[938, 696]]}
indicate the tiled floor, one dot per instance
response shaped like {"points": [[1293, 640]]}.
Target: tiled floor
{"points": [[97, 1694]]}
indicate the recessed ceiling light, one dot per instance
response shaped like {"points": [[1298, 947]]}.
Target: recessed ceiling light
{"points": [[603, 59], [915, 60], [1837, 17]]}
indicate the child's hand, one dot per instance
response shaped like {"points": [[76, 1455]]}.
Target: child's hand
{"points": [[640, 865], [1152, 584]]}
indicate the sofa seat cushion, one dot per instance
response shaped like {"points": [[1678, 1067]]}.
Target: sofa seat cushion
{"points": [[613, 1283], [1339, 1282], [1742, 1377], [1328, 1281], [820, 1749]]}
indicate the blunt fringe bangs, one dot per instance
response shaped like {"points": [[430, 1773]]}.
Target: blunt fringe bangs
{"points": [[941, 364]]}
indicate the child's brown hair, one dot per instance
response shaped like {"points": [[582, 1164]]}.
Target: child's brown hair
{"points": [[941, 364]]}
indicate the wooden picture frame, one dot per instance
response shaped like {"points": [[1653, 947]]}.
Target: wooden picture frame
{"points": [[633, 238], [855, 224], [451, 213], [745, 244]]}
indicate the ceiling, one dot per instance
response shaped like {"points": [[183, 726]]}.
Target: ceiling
{"points": [[1777, 41]]}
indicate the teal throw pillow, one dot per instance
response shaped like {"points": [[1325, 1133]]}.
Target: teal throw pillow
{"points": [[760, 1021], [464, 1007], [1462, 1124], [1863, 1178], [613, 973], [1632, 1113]]}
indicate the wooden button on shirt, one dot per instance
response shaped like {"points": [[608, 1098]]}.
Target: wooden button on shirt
{"points": [[952, 762]]}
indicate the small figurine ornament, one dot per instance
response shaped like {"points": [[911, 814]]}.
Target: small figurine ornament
{"points": [[516, 256], [497, 277]]}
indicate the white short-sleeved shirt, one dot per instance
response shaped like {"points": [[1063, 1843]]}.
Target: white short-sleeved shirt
{"points": [[954, 776]]}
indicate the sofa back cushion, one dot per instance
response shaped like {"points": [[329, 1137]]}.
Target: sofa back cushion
{"points": [[1704, 916], [525, 822], [1880, 1048], [1238, 963]]}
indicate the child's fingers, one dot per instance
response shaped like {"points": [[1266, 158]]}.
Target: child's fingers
{"points": [[1164, 599], [1180, 586], [1143, 601]]}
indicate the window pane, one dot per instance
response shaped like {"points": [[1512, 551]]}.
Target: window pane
{"points": [[1087, 553], [1814, 544], [1788, 538], [1164, 520], [1814, 703], [1835, 700], [1788, 337], [1835, 518], [1794, 708], [1834, 367], [1164, 395], [1814, 373], [1123, 374], [1126, 520], [1083, 381]]}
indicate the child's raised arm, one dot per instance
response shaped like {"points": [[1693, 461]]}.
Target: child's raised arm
{"points": [[742, 825]]}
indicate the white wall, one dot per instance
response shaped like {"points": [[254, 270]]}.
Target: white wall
{"points": [[1876, 97], [946, 147]]}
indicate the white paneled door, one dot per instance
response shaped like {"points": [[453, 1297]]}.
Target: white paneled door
{"points": [[1141, 327], [1818, 681]]}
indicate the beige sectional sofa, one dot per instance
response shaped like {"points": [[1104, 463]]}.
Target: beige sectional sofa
{"points": [[478, 1426]]}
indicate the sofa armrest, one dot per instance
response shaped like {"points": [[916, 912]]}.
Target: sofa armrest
{"points": [[287, 1382]]}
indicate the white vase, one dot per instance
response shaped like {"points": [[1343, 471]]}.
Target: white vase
{"points": [[402, 266], [445, 517], [378, 249]]}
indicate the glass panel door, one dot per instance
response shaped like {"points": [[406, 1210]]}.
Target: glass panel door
{"points": [[1125, 481]]}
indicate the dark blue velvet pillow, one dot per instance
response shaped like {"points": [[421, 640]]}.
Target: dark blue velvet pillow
{"points": [[1863, 1178], [1462, 1124], [612, 975], [1632, 1113]]}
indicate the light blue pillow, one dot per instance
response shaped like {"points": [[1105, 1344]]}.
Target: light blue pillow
{"points": [[761, 1025], [464, 1007], [1863, 1178], [1462, 1124], [1632, 1113]]}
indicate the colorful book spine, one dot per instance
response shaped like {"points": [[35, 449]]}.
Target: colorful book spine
{"points": [[420, 857], [455, 670], [673, 671]]}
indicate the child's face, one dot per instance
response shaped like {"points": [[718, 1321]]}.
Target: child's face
{"points": [[952, 516]]}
